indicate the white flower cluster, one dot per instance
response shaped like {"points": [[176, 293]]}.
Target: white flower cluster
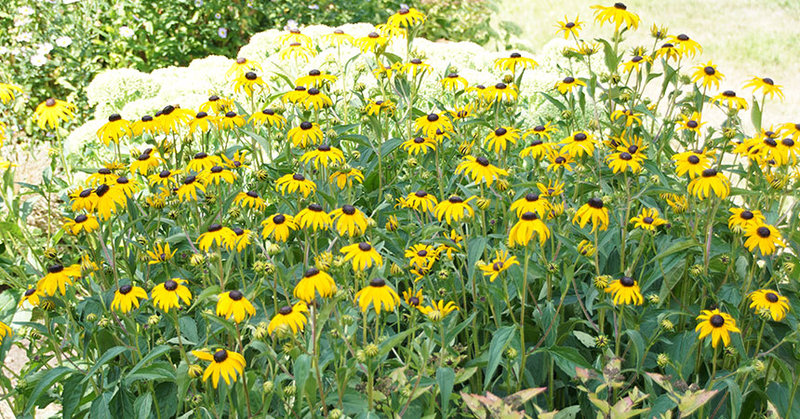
{"points": [[133, 94]]}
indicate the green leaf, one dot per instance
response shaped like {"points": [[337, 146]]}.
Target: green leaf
{"points": [[755, 116], [99, 409], [445, 377], [46, 382], [143, 405], [108, 356], [71, 395], [566, 358], [154, 353], [158, 371], [302, 369], [500, 339], [780, 396]]}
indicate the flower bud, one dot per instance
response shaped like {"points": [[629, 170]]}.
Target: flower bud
{"points": [[195, 370], [662, 360]]}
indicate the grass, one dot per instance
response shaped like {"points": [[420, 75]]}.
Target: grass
{"points": [[744, 38]]}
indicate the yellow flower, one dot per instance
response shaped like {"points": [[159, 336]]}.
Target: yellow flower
{"points": [[278, 227], [635, 62], [593, 211], [363, 256], [501, 92], [406, 17], [376, 107], [202, 161], [617, 14], [51, 112], [230, 121], [127, 297], [5, 332], [453, 81], [315, 78], [626, 291], [224, 363], [692, 123], [314, 281], [142, 163], [414, 299], [776, 304], [522, 232], [31, 296], [371, 43], [730, 99], [693, 162], [338, 38], [324, 154], [578, 144], [415, 67], [480, 170], [717, 324], [569, 27], [619, 162], [531, 202], [437, 311], [241, 66], [316, 99], [421, 256], [108, 200], [764, 237], [234, 304], [216, 234], [453, 209], [188, 189], [710, 181], [171, 118], [648, 219], [57, 278], [568, 83], [669, 51], [502, 261], [250, 199], [767, 87], [419, 201], [160, 254], [291, 183], [248, 82], [377, 294], [81, 223], [313, 217], [114, 129], [203, 122], [296, 50], [304, 134], [743, 219], [629, 115], [289, 318], [293, 35], [513, 61], [147, 124], [170, 293], [345, 177], [586, 248], [7, 92], [165, 178], [217, 174], [296, 96], [688, 47], [267, 116], [349, 220], [418, 145], [433, 122], [217, 104], [499, 138]]}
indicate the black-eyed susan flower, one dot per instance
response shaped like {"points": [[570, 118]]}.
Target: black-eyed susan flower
{"points": [[688, 47], [421, 256], [391, 32], [297, 95], [669, 51], [617, 14], [742, 219], [415, 67], [648, 219], [231, 120], [625, 291], [767, 87], [629, 115], [717, 324], [250, 199], [189, 187], [789, 150], [215, 234], [691, 122], [142, 163], [678, 203], [240, 240], [578, 144], [501, 92], [413, 299], [217, 105], [371, 43], [594, 211], [419, 201], [417, 145], [377, 294], [313, 217], [453, 209], [83, 199], [693, 162], [82, 223], [202, 122], [349, 220], [454, 82], [171, 118], [345, 177], [127, 297], [622, 161], [708, 75], [248, 83], [499, 138], [5, 332], [315, 78], [101, 176], [586, 248], [763, 236], [770, 301], [267, 116], [406, 17], [202, 161], [635, 63], [541, 131], [295, 182], [531, 202], [160, 253], [325, 155], [515, 61], [234, 304], [438, 310], [241, 66], [31, 296], [165, 178], [537, 149], [304, 134], [289, 319], [170, 293], [567, 84], [376, 107], [729, 99], [362, 255], [480, 170], [224, 363], [553, 188], [338, 38], [217, 174], [147, 124], [278, 226], [8, 92], [432, 122], [710, 181], [314, 282], [57, 278], [791, 129], [114, 129], [294, 35], [569, 27], [297, 51], [52, 112], [108, 200], [522, 232], [316, 99], [501, 262]]}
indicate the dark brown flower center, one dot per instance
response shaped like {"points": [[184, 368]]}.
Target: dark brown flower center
{"points": [[637, 58], [420, 194], [241, 60], [214, 227], [230, 114], [768, 81], [529, 216], [364, 247], [85, 193], [595, 203], [220, 356], [102, 190], [285, 310], [189, 179], [313, 91], [125, 289], [114, 117], [580, 137], [625, 156], [648, 220], [373, 35], [147, 118], [500, 132], [569, 80], [268, 111], [81, 218], [455, 199], [626, 281], [500, 86], [250, 75], [298, 177], [570, 25], [709, 172], [483, 161], [201, 115], [419, 140], [416, 61], [349, 209], [279, 219], [771, 297], [422, 253], [306, 125], [252, 194], [311, 272], [30, 291], [710, 71], [788, 142], [729, 93], [216, 169], [50, 102], [560, 160], [531, 197], [692, 124], [315, 207], [54, 269], [170, 285], [377, 282], [324, 147], [433, 117], [763, 232], [620, 6], [235, 295], [716, 320], [683, 37]]}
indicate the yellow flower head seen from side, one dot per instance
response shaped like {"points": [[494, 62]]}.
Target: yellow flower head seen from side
{"points": [[717, 324], [648, 219], [433, 122], [480, 170], [8, 92], [85, 223], [289, 319], [250, 199], [372, 42], [304, 134], [499, 139], [377, 294], [295, 182], [522, 232], [578, 144], [313, 217], [114, 129], [406, 17], [160, 253], [729, 99], [314, 282], [52, 112], [617, 14], [278, 226], [594, 211], [5, 332], [363, 255], [325, 155], [453, 209], [501, 262], [32, 296], [349, 220], [234, 304], [127, 297], [710, 182], [771, 302], [626, 291], [420, 201], [267, 116], [514, 61], [57, 278], [216, 234], [438, 310], [224, 363], [170, 293]]}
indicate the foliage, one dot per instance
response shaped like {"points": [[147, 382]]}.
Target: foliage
{"points": [[594, 234]]}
